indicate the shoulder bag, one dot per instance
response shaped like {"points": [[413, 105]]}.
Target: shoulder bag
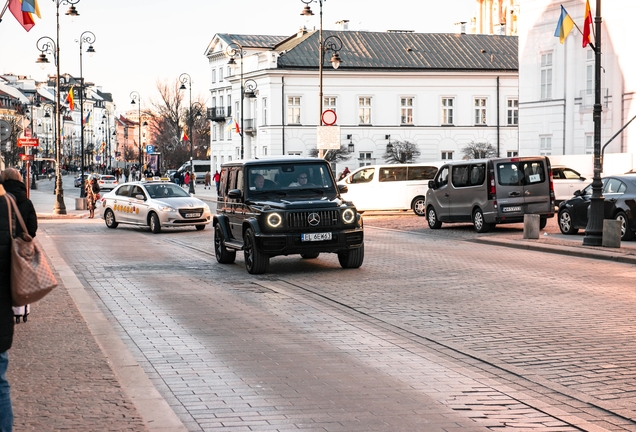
{"points": [[31, 276]]}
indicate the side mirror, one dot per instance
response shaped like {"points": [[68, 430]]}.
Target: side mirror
{"points": [[582, 178], [431, 184], [234, 194], [577, 193], [140, 197], [343, 189]]}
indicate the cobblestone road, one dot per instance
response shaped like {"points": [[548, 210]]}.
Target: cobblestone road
{"points": [[432, 333]]}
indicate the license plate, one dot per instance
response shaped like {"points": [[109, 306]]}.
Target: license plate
{"points": [[511, 209], [192, 215], [316, 237]]}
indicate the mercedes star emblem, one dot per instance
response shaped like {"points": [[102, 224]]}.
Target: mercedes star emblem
{"points": [[313, 219]]}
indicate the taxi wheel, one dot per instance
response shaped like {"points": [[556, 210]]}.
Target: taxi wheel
{"points": [[310, 255], [155, 225], [109, 217], [223, 255], [256, 262], [200, 227], [351, 258]]}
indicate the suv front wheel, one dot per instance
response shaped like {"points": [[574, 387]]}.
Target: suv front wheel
{"points": [[223, 255], [351, 258], [256, 262]]}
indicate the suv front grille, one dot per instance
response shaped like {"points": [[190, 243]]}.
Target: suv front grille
{"points": [[301, 219]]}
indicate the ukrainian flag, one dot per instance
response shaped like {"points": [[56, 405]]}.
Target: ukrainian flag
{"points": [[564, 26]]}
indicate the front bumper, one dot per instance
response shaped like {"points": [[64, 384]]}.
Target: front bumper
{"points": [[291, 243], [172, 219]]}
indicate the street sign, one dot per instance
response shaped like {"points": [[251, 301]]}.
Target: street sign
{"points": [[28, 142], [329, 117], [27, 157], [150, 149], [328, 137]]}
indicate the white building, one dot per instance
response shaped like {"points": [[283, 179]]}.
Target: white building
{"points": [[439, 91], [556, 81]]}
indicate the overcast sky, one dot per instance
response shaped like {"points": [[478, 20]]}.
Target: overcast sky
{"points": [[142, 41]]}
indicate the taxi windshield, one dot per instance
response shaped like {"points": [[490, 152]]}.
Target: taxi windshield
{"points": [[166, 190]]}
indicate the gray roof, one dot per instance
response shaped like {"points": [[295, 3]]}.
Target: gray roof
{"points": [[408, 51], [252, 41]]}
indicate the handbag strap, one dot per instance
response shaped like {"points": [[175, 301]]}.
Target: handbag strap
{"points": [[12, 204]]}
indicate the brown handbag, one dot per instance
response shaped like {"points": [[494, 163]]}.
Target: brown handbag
{"points": [[31, 276]]}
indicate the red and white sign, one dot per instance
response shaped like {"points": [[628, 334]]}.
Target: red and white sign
{"points": [[27, 157], [329, 117], [28, 142]]}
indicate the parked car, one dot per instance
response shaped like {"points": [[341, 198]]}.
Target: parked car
{"points": [[390, 187], [620, 204], [77, 181], [566, 181], [490, 191], [153, 203], [200, 168], [106, 182], [284, 206]]}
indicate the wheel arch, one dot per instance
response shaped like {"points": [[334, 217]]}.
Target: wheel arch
{"points": [[223, 222]]}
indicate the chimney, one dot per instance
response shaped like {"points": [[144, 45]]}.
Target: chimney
{"points": [[301, 31], [343, 25], [460, 27]]}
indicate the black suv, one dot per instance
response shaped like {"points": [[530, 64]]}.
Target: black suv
{"points": [[284, 206]]}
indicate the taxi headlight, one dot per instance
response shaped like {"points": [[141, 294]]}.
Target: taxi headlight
{"points": [[206, 207], [274, 220], [348, 216], [167, 209]]}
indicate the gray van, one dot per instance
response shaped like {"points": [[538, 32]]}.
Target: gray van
{"points": [[491, 191]]}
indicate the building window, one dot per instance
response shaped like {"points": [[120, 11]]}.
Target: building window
{"points": [[294, 153], [589, 144], [236, 109], [229, 103], [513, 112], [220, 74], [512, 153], [480, 111], [546, 76], [366, 158], [264, 150], [364, 110], [546, 146], [213, 102], [329, 103], [221, 101], [229, 71], [214, 76], [447, 111], [293, 110], [214, 132], [447, 155], [406, 111], [264, 111], [221, 133]]}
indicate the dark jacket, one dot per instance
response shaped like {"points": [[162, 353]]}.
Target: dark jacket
{"points": [[18, 190], [6, 312]]}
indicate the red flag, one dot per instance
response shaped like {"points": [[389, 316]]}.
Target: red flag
{"points": [[70, 99], [238, 130], [587, 25], [185, 136], [24, 18]]}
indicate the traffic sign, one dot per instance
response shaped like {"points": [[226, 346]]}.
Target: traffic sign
{"points": [[328, 137], [28, 142], [329, 117], [27, 157], [150, 149]]}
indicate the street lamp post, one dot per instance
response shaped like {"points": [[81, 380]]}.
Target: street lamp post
{"points": [[234, 49], [47, 45], [89, 38], [136, 99], [186, 78], [594, 229]]}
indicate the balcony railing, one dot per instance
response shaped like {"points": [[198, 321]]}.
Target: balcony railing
{"points": [[249, 125], [217, 114], [587, 98]]}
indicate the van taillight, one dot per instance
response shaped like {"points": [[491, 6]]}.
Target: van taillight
{"points": [[552, 197], [492, 191]]}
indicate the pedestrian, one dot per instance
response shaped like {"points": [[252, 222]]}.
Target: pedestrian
{"points": [[7, 320], [216, 179], [12, 181], [344, 173], [181, 178], [206, 180], [186, 178], [92, 195], [126, 174]]}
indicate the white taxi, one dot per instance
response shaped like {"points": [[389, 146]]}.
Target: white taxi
{"points": [[153, 203]]}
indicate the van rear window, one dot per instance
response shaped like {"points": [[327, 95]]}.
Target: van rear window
{"points": [[521, 173]]}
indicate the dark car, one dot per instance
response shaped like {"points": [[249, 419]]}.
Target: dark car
{"points": [[620, 204], [284, 206]]}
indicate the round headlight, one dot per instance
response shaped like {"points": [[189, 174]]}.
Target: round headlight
{"points": [[348, 216], [274, 220]]}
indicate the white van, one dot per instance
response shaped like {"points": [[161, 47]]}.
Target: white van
{"points": [[200, 168], [390, 186]]}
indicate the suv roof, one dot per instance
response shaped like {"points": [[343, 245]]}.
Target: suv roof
{"points": [[276, 159]]}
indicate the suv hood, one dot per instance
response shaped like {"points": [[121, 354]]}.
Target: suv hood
{"points": [[298, 203]]}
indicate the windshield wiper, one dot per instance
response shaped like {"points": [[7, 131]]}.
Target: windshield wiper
{"points": [[263, 192]]}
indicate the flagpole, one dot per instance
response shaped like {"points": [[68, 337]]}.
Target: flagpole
{"points": [[4, 9]]}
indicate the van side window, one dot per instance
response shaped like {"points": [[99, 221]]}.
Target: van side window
{"points": [[363, 176], [442, 177], [477, 174], [460, 175], [533, 172], [420, 172], [508, 174], [387, 174]]}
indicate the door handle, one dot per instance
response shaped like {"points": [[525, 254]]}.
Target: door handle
{"points": [[514, 194], [446, 195]]}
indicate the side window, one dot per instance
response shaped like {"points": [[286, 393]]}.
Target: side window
{"points": [[421, 172], [508, 174], [137, 190], [389, 174], [477, 174], [123, 191], [363, 176], [460, 175], [442, 177], [570, 174], [239, 180], [533, 172], [224, 179], [614, 186], [231, 183]]}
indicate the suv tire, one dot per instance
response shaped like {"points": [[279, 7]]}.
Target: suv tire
{"points": [[478, 221], [223, 255], [351, 258], [256, 262], [431, 218]]}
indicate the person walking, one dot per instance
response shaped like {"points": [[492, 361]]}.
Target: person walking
{"points": [[7, 320], [344, 173], [92, 195], [186, 179], [207, 180], [12, 181], [216, 179]]}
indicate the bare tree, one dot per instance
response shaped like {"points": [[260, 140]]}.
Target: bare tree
{"points": [[10, 146], [479, 150], [401, 152], [339, 155]]}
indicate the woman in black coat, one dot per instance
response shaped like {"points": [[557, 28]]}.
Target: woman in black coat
{"points": [[6, 314], [12, 182]]}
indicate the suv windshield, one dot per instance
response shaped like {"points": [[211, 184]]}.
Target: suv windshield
{"points": [[287, 178], [165, 190]]}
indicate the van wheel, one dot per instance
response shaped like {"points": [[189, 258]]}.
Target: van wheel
{"points": [[543, 221], [256, 262], [419, 206], [351, 258], [431, 218], [626, 232], [479, 222], [565, 223], [223, 255]]}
